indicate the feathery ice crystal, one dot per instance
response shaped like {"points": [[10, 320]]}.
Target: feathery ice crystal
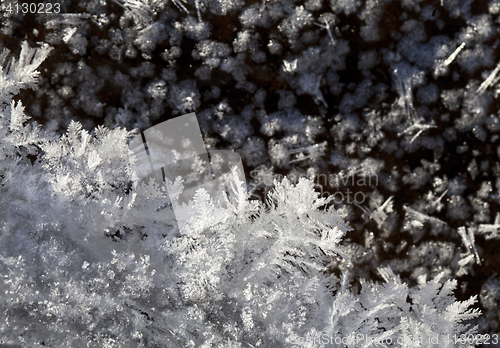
{"points": [[86, 261]]}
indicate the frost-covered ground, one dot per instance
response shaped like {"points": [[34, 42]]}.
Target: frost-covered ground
{"points": [[389, 107]]}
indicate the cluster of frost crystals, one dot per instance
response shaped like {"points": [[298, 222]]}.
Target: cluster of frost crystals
{"points": [[90, 257], [389, 107]]}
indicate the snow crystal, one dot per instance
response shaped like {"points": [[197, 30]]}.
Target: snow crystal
{"points": [[254, 151], [452, 98], [347, 7], [115, 35], [472, 59], [255, 15], [287, 99], [291, 25], [116, 53], [157, 89], [274, 47], [429, 13], [358, 99], [313, 5], [457, 208], [494, 7], [149, 37], [184, 96], [170, 54], [234, 130], [145, 69], [480, 29], [490, 294], [367, 59]]}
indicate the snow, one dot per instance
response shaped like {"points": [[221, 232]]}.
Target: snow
{"points": [[404, 93]]}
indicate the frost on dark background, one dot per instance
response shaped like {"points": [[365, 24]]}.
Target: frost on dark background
{"points": [[404, 90]]}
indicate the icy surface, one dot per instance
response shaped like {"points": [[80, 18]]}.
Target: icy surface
{"points": [[390, 108]]}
